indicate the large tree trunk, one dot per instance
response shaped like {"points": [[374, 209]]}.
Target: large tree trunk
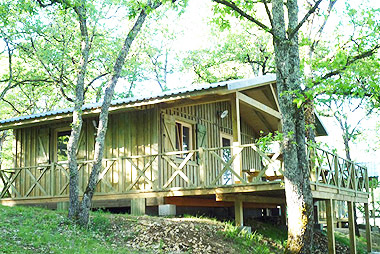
{"points": [[103, 118], [76, 125], [297, 183]]}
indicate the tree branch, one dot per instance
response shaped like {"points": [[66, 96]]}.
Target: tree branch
{"points": [[268, 12], [245, 15], [13, 107], [92, 81], [350, 61], [311, 11]]}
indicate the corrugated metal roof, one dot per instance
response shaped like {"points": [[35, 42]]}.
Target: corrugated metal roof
{"points": [[89, 106]]}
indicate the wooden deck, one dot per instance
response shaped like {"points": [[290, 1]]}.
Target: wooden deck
{"points": [[187, 173]]}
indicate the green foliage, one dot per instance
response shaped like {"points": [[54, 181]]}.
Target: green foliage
{"points": [[249, 242], [265, 141]]}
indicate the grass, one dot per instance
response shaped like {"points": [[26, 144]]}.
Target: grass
{"points": [[36, 230], [361, 245]]}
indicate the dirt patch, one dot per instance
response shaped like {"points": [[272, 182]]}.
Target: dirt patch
{"points": [[172, 235]]}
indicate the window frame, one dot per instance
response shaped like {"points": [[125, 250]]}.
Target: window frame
{"points": [[56, 132], [191, 134]]}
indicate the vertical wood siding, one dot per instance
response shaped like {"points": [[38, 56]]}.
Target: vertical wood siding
{"points": [[131, 133]]}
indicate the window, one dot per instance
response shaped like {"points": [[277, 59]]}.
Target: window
{"points": [[226, 141], [62, 141], [184, 136]]}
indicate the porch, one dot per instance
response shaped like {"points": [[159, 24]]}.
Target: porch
{"points": [[205, 171]]}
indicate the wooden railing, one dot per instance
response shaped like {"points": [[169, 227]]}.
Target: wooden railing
{"points": [[327, 168], [201, 168]]}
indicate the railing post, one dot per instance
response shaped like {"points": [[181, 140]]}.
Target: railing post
{"points": [[236, 134], [52, 179], [336, 169], [202, 166]]}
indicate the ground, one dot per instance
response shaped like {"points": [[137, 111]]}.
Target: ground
{"points": [[35, 230]]}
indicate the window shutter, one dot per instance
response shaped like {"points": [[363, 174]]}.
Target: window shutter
{"points": [[201, 135], [168, 132], [43, 146]]}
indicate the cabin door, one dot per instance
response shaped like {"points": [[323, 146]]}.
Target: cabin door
{"points": [[226, 141]]}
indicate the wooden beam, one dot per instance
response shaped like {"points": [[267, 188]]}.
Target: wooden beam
{"points": [[207, 202], [330, 215], [171, 192], [249, 198], [239, 219], [236, 137], [262, 119], [138, 206], [275, 97], [258, 105], [351, 226], [367, 228]]}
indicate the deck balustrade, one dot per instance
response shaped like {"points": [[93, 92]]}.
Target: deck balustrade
{"points": [[202, 168]]}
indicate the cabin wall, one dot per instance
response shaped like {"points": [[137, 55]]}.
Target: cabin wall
{"points": [[208, 116], [129, 133]]}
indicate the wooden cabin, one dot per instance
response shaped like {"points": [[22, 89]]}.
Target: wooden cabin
{"points": [[189, 147]]}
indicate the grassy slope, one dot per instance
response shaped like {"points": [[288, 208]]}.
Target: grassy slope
{"points": [[36, 230]]}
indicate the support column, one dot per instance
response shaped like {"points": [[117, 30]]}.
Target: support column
{"points": [[283, 214], [367, 228], [236, 133], [138, 206], [351, 226], [239, 222], [330, 226]]}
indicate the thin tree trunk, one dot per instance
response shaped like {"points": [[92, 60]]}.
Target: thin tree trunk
{"points": [[103, 118], [297, 183], [76, 127]]}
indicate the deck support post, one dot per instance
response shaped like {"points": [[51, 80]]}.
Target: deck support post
{"points": [[283, 215], [330, 226], [351, 226], [138, 206], [239, 221], [235, 114], [367, 228]]}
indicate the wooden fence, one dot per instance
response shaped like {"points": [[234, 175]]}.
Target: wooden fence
{"points": [[201, 168]]}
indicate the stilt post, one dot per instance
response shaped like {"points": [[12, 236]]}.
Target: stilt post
{"points": [[239, 213], [351, 226], [330, 226], [367, 228]]}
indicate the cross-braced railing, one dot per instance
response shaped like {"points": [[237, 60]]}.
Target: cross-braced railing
{"points": [[200, 168], [327, 168]]}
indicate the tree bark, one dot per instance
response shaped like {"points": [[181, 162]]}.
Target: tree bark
{"points": [[76, 125], [297, 183], [103, 118]]}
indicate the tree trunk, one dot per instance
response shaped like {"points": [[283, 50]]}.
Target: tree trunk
{"points": [[103, 118], [297, 183], [310, 121], [76, 127]]}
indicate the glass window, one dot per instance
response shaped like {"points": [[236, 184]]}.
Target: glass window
{"points": [[183, 133], [62, 141]]}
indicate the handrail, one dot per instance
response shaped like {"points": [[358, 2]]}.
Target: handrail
{"points": [[202, 167]]}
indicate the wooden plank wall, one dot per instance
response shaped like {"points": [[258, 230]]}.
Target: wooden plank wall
{"points": [[208, 115], [129, 133]]}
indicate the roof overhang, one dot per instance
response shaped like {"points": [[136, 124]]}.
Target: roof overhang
{"points": [[195, 91]]}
